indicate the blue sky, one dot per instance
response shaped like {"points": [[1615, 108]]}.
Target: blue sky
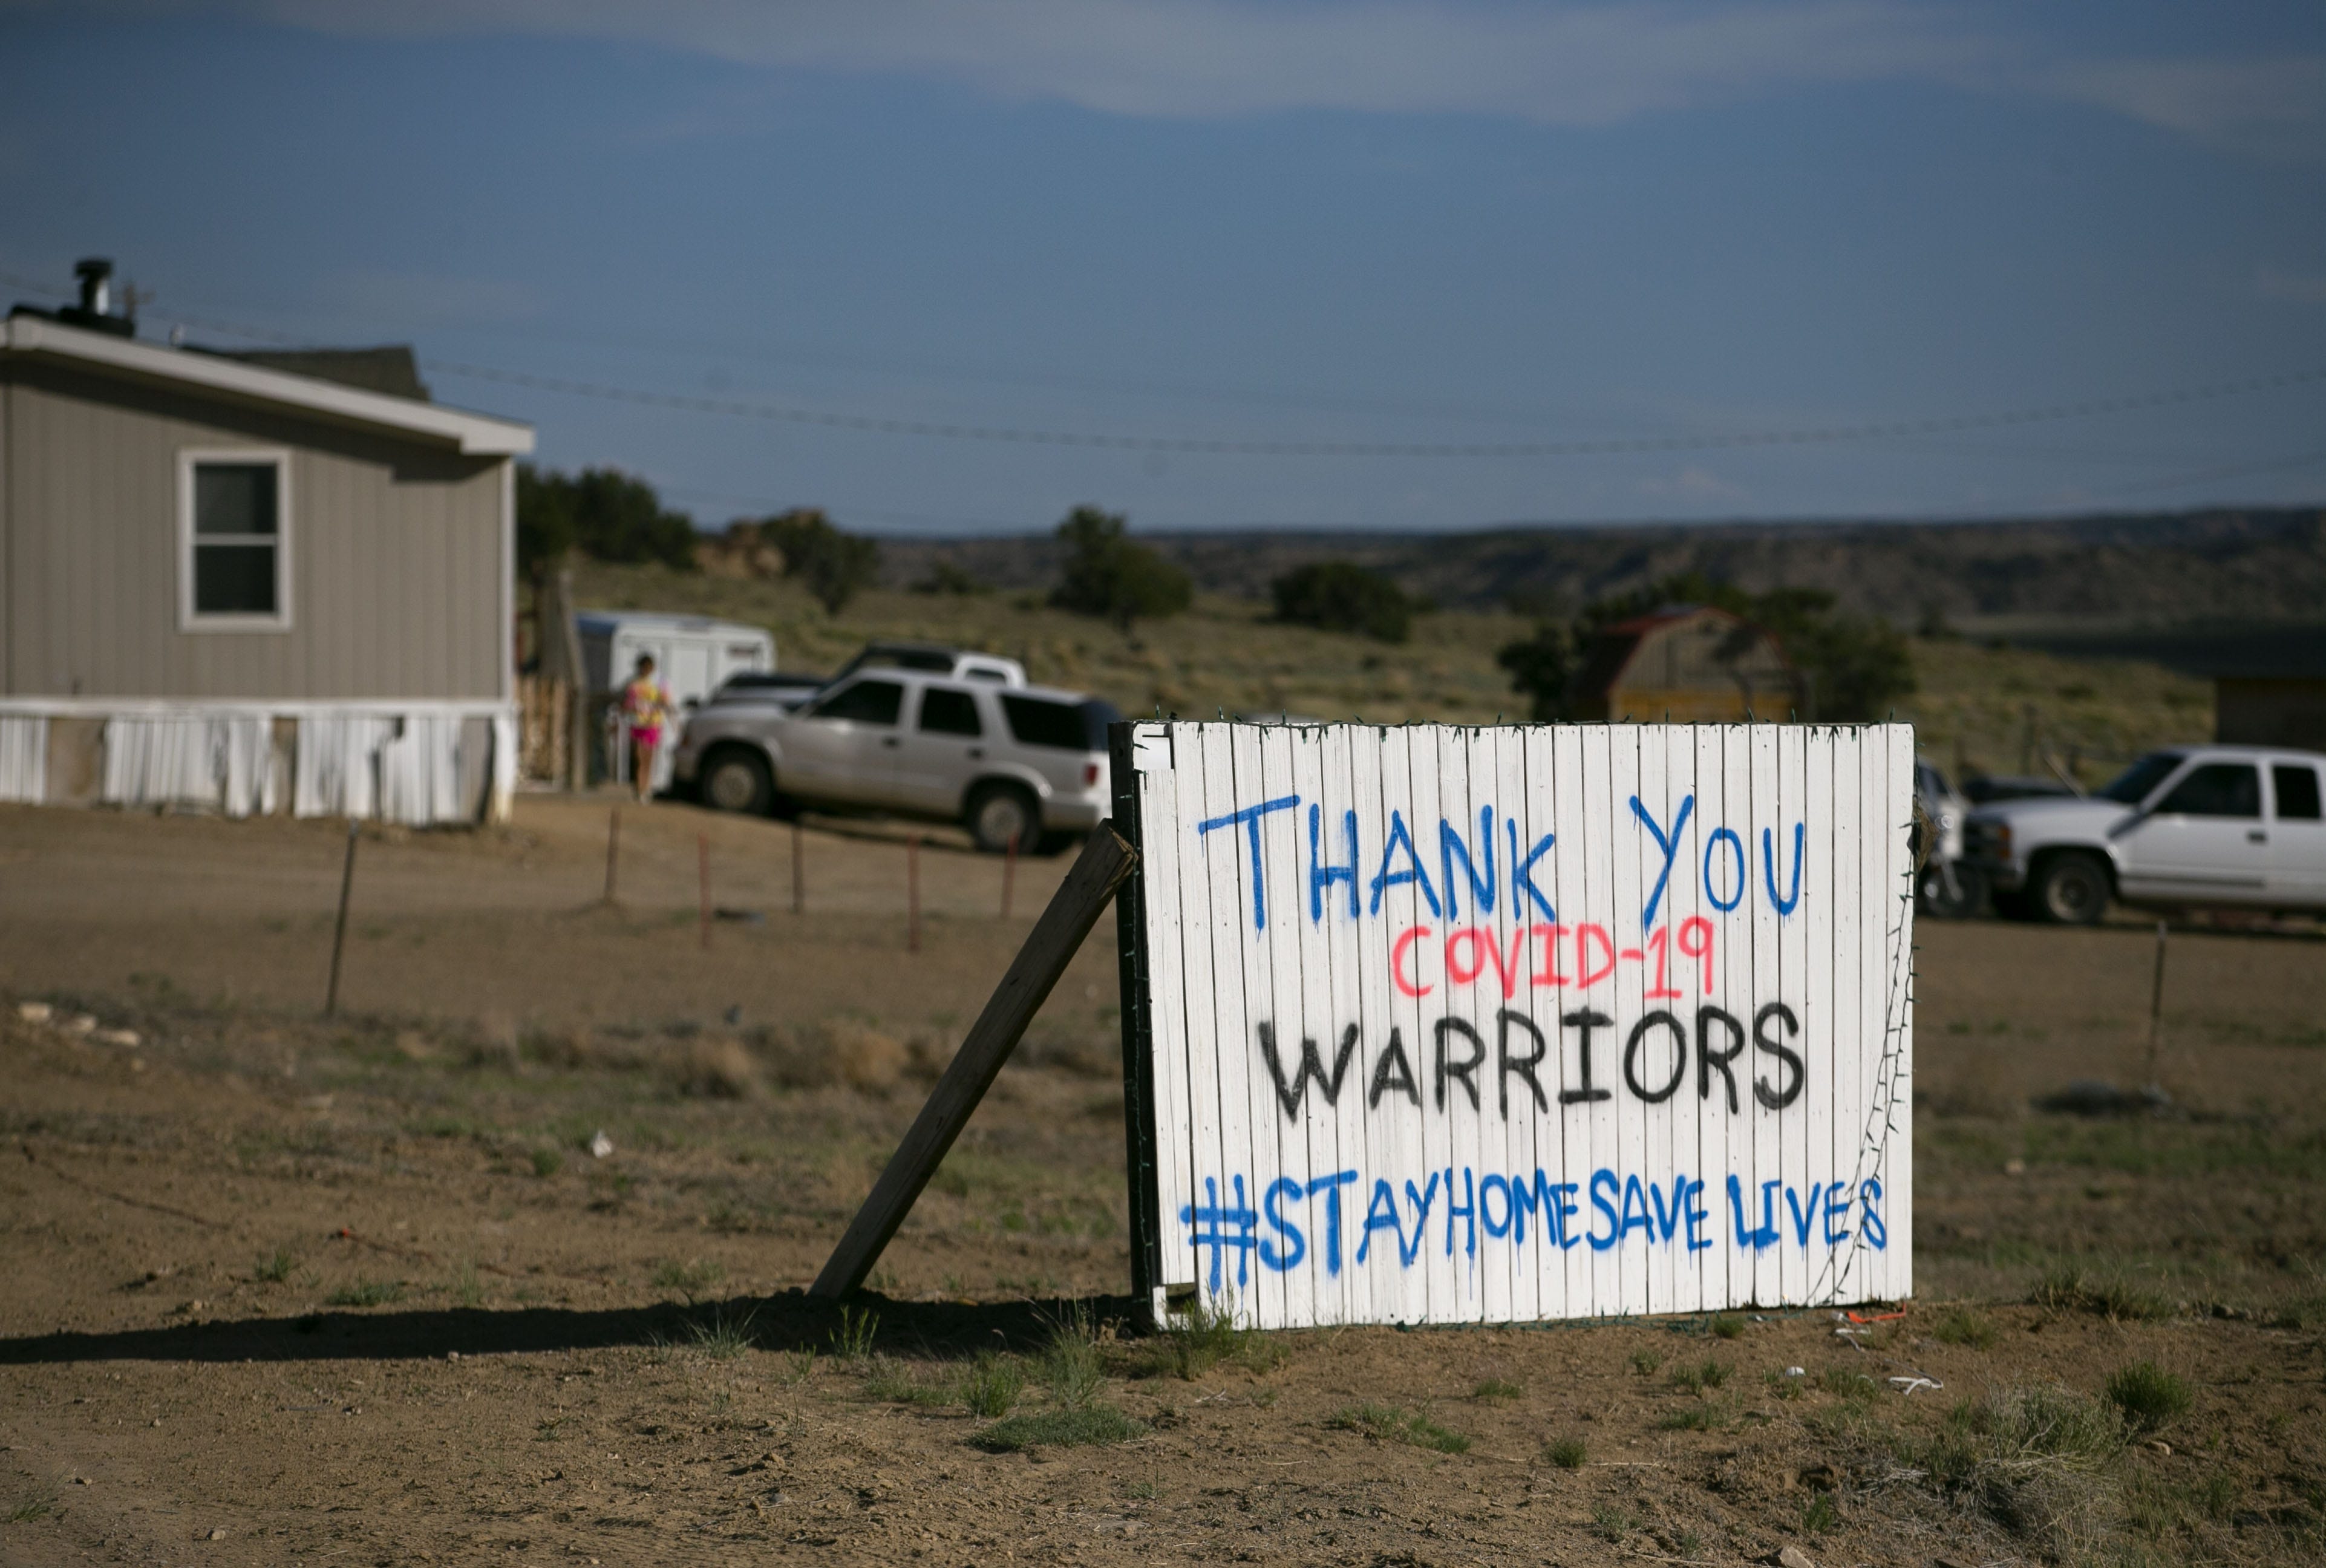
{"points": [[1433, 225]]}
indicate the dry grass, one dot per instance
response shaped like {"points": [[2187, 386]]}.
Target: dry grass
{"points": [[1227, 656]]}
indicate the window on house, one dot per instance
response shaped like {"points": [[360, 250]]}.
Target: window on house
{"points": [[235, 537]]}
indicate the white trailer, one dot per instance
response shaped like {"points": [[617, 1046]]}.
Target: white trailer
{"points": [[692, 655]]}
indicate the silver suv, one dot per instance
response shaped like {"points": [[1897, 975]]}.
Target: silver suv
{"points": [[2199, 825], [1010, 763]]}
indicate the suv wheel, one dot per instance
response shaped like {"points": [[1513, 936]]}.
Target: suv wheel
{"points": [[999, 813], [2072, 889], [735, 780]]}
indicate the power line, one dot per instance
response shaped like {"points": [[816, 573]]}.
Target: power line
{"points": [[1198, 445], [1222, 447]]}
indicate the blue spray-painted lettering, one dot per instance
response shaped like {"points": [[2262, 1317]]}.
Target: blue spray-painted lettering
{"points": [[1281, 1188], [1697, 1217], [1456, 1210], [1386, 879], [1380, 1214], [1769, 867], [1249, 819], [1218, 1237], [1331, 1187], [1836, 1202], [1615, 1220], [1491, 1184], [1635, 1210], [1801, 1222], [1322, 873], [1740, 877], [1870, 1193], [1481, 883], [1522, 875], [1501, 1204], [1669, 843]]}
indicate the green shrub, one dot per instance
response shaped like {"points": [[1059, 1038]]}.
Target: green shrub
{"points": [[1071, 1369], [1728, 1326], [1390, 1423], [1340, 596], [1496, 1389], [992, 1385], [852, 1341], [275, 1267], [1093, 1423], [1201, 1337], [1105, 574], [897, 1383], [1567, 1453], [723, 1336], [366, 1293], [547, 1163], [1696, 1378], [1962, 1325], [2148, 1396]]}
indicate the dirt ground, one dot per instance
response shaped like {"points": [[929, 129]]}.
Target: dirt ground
{"points": [[289, 1290]]}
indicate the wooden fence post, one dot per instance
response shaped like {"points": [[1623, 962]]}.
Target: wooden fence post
{"points": [[799, 872], [613, 847], [1009, 873], [912, 892], [2156, 1009], [702, 879], [1081, 899], [339, 932]]}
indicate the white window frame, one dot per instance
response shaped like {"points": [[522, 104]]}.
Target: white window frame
{"points": [[279, 458]]}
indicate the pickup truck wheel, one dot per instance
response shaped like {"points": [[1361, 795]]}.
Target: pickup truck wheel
{"points": [[2070, 889], [1956, 897], [999, 813], [736, 780]]}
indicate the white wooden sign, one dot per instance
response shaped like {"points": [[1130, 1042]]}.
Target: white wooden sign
{"points": [[1443, 1024]]}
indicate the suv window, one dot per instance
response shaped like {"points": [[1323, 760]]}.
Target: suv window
{"points": [[2218, 789], [1064, 726], [946, 711], [2297, 793], [2131, 787], [865, 701]]}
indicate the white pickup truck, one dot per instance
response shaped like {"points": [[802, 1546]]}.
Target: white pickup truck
{"points": [[2197, 826]]}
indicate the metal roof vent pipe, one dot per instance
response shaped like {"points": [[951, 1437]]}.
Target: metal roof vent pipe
{"points": [[95, 276], [95, 311]]}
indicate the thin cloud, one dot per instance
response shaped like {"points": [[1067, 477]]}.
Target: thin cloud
{"points": [[1583, 65], [2273, 105], [1570, 63]]}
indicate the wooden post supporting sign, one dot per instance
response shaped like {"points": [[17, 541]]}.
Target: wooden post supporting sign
{"points": [[340, 933], [1105, 860]]}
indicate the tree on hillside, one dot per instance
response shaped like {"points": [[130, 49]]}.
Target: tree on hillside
{"points": [[603, 512], [1340, 596], [1856, 666], [1541, 666], [1106, 574], [833, 566]]}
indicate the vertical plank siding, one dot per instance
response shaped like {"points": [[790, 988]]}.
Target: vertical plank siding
{"points": [[1369, 1098], [396, 560]]}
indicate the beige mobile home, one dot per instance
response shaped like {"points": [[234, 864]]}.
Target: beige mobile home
{"points": [[227, 584]]}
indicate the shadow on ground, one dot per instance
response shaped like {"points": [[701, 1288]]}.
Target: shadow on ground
{"points": [[788, 1322]]}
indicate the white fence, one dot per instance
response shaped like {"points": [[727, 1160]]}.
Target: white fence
{"points": [[1448, 1025]]}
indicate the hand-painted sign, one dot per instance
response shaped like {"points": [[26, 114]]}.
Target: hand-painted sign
{"points": [[1490, 1025]]}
